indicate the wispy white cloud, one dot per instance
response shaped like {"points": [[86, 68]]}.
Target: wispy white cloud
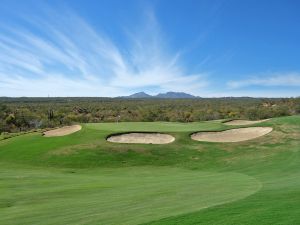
{"points": [[66, 56], [291, 79], [53, 85]]}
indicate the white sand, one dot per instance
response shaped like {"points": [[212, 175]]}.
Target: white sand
{"points": [[233, 135], [244, 122], [62, 131], [142, 138]]}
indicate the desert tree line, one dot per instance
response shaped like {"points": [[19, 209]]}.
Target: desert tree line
{"points": [[23, 114]]}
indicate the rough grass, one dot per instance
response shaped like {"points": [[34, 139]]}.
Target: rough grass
{"points": [[82, 179]]}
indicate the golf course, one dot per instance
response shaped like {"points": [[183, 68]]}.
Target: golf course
{"points": [[82, 178]]}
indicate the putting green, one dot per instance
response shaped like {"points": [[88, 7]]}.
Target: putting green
{"points": [[131, 195]]}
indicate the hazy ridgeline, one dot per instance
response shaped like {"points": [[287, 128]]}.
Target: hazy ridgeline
{"points": [[21, 114]]}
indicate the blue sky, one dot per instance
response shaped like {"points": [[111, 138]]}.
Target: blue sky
{"points": [[112, 48]]}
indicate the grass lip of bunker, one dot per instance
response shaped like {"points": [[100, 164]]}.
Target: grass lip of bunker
{"points": [[137, 137], [244, 122], [232, 135], [62, 131]]}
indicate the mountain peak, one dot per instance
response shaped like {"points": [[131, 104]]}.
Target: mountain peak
{"points": [[172, 94], [169, 94], [139, 95]]}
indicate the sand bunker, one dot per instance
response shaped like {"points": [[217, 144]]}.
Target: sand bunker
{"points": [[62, 131], [244, 122], [142, 138], [233, 135]]}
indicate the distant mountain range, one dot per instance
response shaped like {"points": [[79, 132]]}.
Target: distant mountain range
{"points": [[161, 95], [139, 95]]}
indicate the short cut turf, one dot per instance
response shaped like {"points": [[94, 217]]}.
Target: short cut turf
{"points": [[83, 179]]}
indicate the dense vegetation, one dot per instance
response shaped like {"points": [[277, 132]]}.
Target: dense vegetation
{"points": [[22, 114]]}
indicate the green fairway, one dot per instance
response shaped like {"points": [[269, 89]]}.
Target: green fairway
{"points": [[131, 195], [83, 179]]}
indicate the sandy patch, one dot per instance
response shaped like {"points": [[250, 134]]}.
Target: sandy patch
{"points": [[233, 135], [62, 131], [244, 122], [142, 138]]}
